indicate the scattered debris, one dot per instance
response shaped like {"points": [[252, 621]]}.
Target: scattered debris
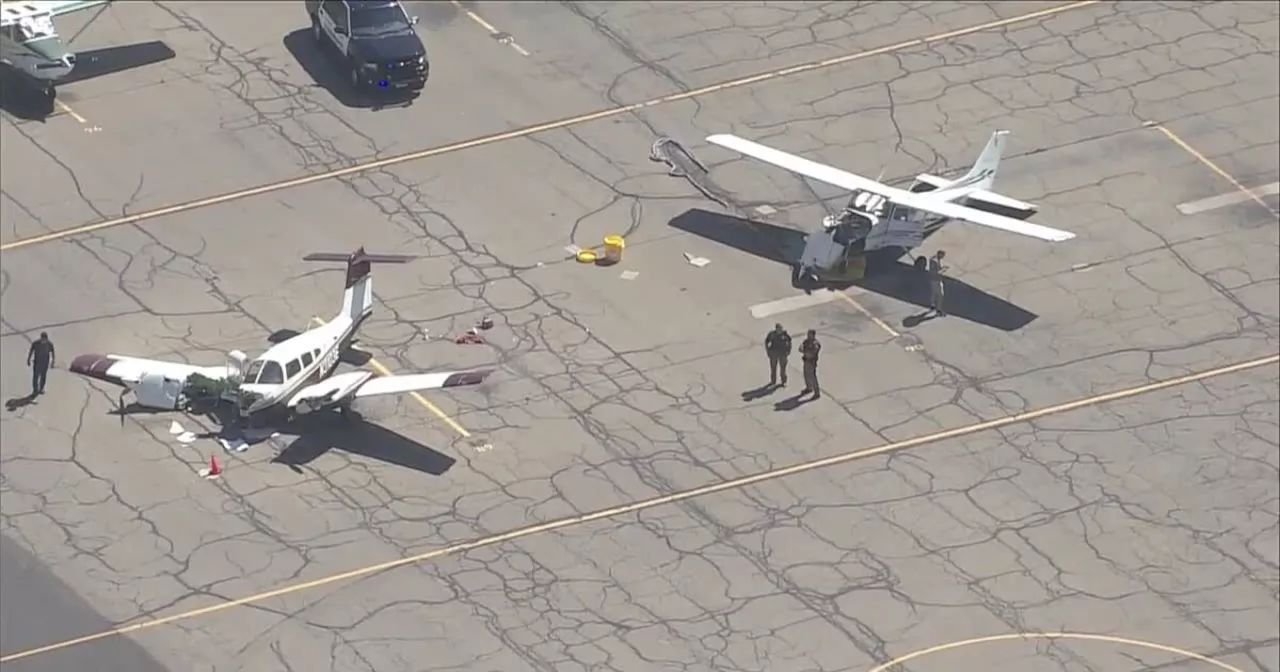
{"points": [[186, 438], [213, 470], [765, 210], [472, 337], [573, 250], [175, 429], [683, 163], [234, 445], [629, 275], [485, 324], [696, 261]]}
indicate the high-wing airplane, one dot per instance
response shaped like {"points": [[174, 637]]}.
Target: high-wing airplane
{"points": [[30, 44], [882, 223], [295, 376]]}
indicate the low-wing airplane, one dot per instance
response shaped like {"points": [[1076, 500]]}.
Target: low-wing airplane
{"points": [[295, 376], [29, 41], [882, 223]]}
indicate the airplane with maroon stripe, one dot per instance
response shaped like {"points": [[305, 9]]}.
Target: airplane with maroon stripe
{"points": [[296, 374]]}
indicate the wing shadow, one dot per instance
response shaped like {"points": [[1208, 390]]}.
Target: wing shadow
{"points": [[326, 71], [318, 434], [893, 278], [21, 99]]}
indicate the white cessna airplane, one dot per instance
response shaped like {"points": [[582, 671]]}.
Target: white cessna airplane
{"points": [[29, 42], [294, 376], [883, 222]]}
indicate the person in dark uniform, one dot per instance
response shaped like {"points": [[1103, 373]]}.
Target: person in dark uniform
{"points": [[40, 357], [809, 350], [936, 293], [778, 346]]}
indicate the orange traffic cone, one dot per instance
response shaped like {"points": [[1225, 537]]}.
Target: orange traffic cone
{"points": [[213, 470]]}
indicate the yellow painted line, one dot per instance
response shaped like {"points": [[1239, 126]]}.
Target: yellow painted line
{"points": [[435, 410], [539, 128], [67, 108], [673, 498], [475, 17], [869, 315], [1212, 166], [1051, 636]]}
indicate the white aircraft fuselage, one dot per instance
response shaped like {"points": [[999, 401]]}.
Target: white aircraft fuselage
{"points": [[273, 378], [29, 40]]}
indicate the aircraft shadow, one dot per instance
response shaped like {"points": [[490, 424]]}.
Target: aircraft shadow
{"points": [[325, 70], [897, 279], [317, 435], [21, 99]]}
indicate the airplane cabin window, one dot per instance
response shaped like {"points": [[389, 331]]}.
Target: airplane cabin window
{"points": [[306, 359], [271, 374], [292, 368]]}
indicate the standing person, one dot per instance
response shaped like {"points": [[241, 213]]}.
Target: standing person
{"points": [[778, 346], [936, 291], [809, 350], [40, 357]]}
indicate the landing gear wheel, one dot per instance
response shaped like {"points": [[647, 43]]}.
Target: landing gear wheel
{"points": [[355, 78], [316, 32], [50, 93]]}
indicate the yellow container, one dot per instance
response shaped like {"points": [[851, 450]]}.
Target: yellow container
{"points": [[613, 246], [586, 256]]}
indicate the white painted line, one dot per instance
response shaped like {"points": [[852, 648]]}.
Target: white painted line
{"points": [[797, 302], [1215, 202]]}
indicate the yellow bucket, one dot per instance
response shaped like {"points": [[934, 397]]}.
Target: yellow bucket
{"points": [[613, 246], [586, 256]]}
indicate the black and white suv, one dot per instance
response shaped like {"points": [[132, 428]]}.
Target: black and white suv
{"points": [[376, 40]]}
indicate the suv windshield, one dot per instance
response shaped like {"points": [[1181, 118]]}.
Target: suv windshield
{"points": [[389, 19]]}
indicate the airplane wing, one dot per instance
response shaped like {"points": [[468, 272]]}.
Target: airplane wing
{"points": [[128, 371], [416, 382], [851, 182]]}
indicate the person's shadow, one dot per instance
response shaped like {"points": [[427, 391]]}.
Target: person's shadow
{"points": [[762, 391], [794, 402], [19, 402]]}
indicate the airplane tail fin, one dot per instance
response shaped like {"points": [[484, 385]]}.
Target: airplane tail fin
{"points": [[983, 173], [357, 297]]}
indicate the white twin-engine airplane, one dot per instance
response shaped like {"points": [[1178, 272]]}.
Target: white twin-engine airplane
{"points": [[882, 223], [294, 376]]}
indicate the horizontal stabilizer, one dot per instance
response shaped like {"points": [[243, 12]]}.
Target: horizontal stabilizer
{"points": [[282, 335], [989, 201], [415, 382]]}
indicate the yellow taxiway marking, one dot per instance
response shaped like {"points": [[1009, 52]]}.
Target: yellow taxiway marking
{"points": [[539, 128], [893, 333], [1050, 636], [67, 108], [661, 500], [435, 410], [488, 26], [1212, 166]]}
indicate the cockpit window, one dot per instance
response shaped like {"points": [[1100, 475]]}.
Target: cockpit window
{"points": [[271, 374], [255, 367], [35, 27]]}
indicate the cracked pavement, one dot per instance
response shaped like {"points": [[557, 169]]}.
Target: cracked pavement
{"points": [[1151, 519]]}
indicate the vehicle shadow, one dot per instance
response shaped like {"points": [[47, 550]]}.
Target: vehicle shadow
{"points": [[894, 279], [323, 67]]}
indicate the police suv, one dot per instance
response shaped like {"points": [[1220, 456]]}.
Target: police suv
{"points": [[376, 40]]}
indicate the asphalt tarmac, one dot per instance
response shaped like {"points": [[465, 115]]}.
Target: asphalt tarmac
{"points": [[36, 607]]}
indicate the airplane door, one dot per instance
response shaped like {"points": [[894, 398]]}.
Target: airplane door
{"points": [[156, 391], [905, 228]]}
